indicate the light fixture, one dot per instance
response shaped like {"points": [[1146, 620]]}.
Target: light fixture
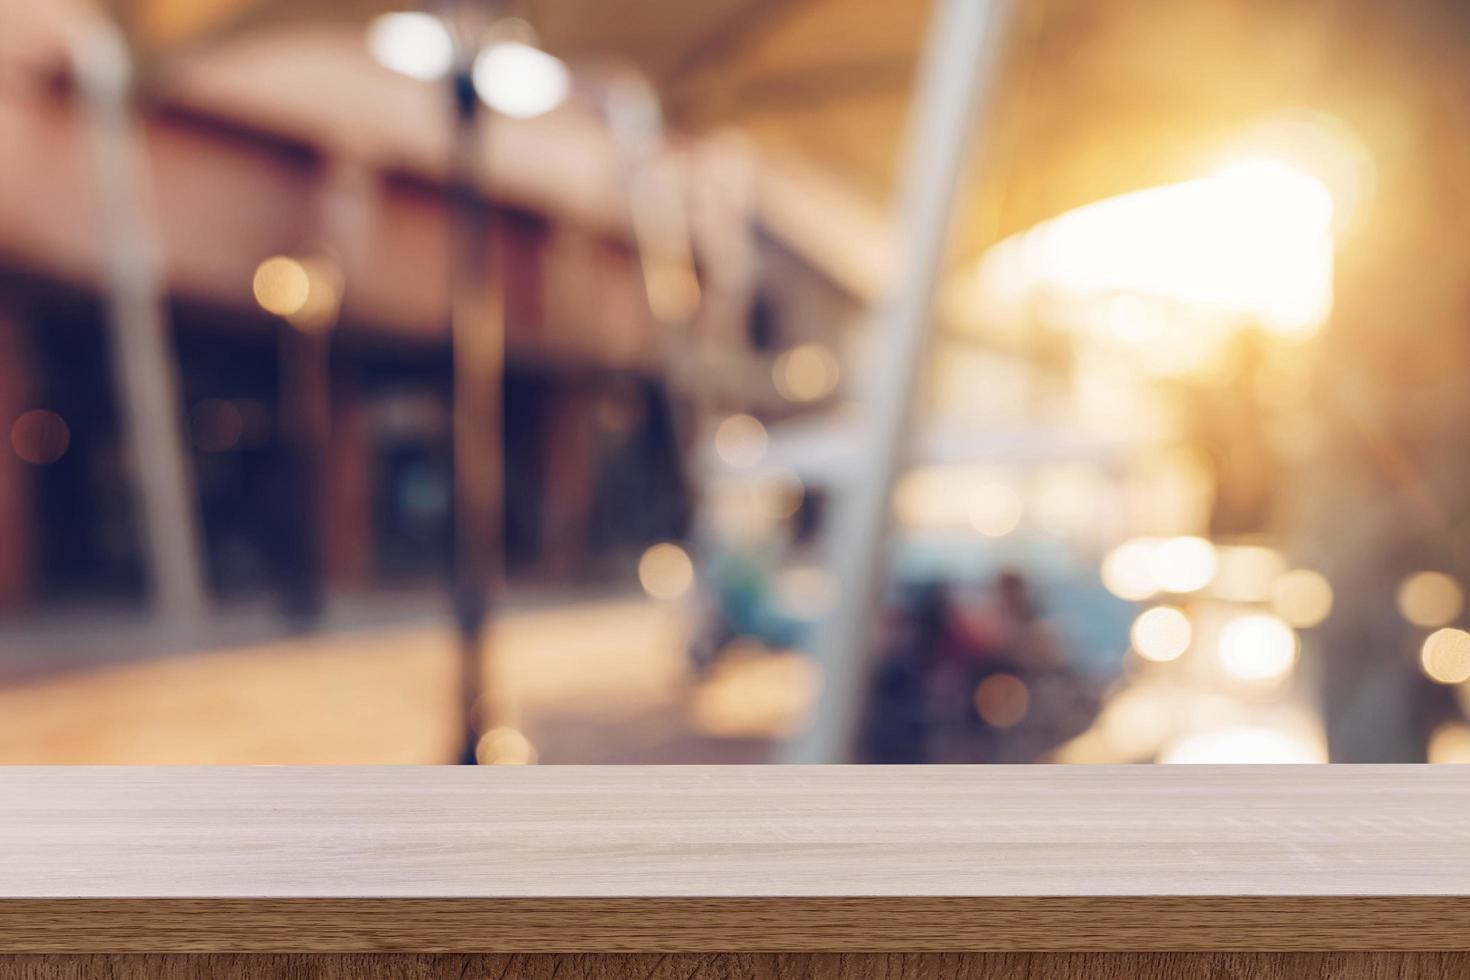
{"points": [[516, 79], [412, 43]]}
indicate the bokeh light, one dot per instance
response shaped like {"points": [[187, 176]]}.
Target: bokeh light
{"points": [[1247, 573], [1002, 700], [1244, 745], [753, 692], [282, 285], [1161, 634], [785, 491], [40, 437], [1138, 720], [504, 746], [741, 441], [1449, 743], [323, 295], [306, 291], [665, 571], [994, 509], [1302, 597], [1184, 564], [1257, 647], [1445, 656], [1430, 599], [1127, 570], [806, 373]]}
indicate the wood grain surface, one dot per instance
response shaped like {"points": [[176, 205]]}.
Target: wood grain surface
{"points": [[769, 859], [735, 925], [993, 966], [734, 831]]}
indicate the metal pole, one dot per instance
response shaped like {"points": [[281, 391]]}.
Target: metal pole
{"points": [[146, 379], [477, 341], [304, 370], [958, 69]]}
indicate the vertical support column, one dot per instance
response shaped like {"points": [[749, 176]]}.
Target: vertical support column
{"points": [[147, 383], [349, 211], [16, 541], [306, 414], [959, 63], [570, 475], [477, 341], [347, 525]]}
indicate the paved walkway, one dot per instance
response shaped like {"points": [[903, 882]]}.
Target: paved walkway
{"points": [[600, 681]]}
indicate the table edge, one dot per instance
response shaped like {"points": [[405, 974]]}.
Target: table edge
{"points": [[838, 924]]}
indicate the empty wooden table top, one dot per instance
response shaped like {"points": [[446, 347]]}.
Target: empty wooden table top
{"points": [[734, 858]]}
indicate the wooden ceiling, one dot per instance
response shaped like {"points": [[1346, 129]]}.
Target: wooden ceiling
{"points": [[823, 79], [1096, 97]]}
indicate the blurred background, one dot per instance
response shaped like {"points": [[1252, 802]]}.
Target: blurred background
{"points": [[744, 381]]}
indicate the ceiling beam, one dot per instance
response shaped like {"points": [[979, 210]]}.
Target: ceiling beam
{"points": [[803, 88], [729, 40]]}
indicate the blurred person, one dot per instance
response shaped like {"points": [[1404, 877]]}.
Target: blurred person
{"points": [[741, 602], [896, 728], [973, 677]]}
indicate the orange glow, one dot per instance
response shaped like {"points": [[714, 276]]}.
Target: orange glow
{"points": [[1252, 239], [1169, 274]]}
